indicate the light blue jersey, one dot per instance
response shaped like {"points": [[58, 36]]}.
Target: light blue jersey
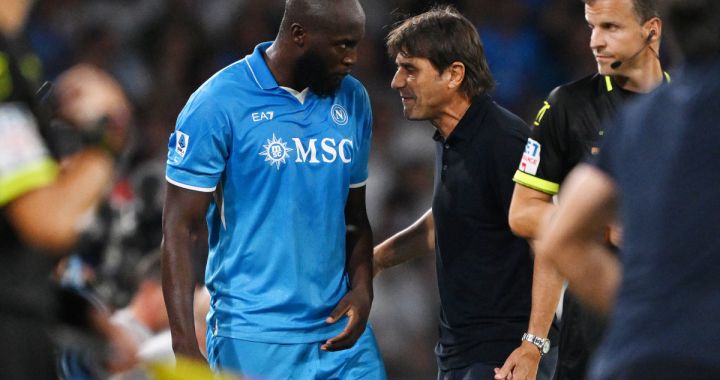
{"points": [[281, 166]]}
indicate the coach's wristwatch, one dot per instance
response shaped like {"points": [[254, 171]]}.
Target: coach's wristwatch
{"points": [[543, 344]]}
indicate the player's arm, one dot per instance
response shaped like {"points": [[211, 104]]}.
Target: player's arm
{"points": [[183, 227], [356, 303], [415, 241], [573, 239]]}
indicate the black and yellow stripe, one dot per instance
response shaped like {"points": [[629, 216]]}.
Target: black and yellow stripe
{"points": [[536, 183]]}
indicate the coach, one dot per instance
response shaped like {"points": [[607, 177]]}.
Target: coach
{"points": [[484, 272]]}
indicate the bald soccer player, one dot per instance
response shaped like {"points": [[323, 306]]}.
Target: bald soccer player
{"points": [[271, 154]]}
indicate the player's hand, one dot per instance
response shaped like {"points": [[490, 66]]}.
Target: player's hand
{"points": [[522, 364], [189, 350], [356, 305]]}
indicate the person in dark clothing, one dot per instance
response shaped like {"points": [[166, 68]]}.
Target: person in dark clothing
{"points": [[655, 173], [484, 271], [625, 39]]}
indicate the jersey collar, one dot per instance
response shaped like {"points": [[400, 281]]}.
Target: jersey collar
{"points": [[259, 69], [610, 83], [470, 122]]}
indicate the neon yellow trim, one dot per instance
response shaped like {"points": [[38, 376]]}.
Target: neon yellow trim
{"points": [[667, 77], [26, 179], [608, 83], [186, 369], [536, 183], [541, 113], [6, 83], [31, 67]]}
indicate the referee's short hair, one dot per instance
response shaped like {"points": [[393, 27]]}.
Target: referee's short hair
{"points": [[644, 9], [443, 36]]}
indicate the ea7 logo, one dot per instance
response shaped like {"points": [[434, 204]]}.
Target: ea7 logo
{"points": [[260, 116]]}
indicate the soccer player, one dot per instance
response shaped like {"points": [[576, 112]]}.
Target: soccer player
{"points": [[625, 38], [272, 154], [655, 171], [484, 272]]}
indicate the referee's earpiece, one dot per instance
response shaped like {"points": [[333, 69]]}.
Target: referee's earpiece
{"points": [[616, 65], [650, 36]]}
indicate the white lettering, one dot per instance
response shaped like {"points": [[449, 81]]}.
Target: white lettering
{"points": [[260, 116], [325, 144], [302, 154], [341, 150]]}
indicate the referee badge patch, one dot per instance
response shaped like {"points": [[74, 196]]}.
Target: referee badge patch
{"points": [[181, 143], [531, 157]]}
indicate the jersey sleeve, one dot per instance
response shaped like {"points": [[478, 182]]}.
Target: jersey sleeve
{"points": [[25, 162], [359, 171], [508, 147], [541, 167], [199, 147]]}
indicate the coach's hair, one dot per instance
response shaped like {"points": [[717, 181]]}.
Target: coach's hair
{"points": [[644, 9], [695, 26], [443, 36]]}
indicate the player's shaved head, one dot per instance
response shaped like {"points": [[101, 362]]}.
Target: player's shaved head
{"points": [[321, 14]]}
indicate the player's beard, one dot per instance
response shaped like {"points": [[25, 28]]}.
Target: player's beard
{"points": [[316, 73]]}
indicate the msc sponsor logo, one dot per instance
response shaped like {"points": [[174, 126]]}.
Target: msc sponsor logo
{"points": [[312, 151]]}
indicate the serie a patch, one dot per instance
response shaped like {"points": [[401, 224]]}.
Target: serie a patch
{"points": [[531, 157], [182, 141]]}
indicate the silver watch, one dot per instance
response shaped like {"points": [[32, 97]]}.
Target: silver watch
{"points": [[543, 344]]}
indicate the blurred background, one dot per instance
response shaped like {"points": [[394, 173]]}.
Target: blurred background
{"points": [[162, 50]]}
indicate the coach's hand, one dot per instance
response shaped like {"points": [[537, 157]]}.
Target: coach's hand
{"points": [[356, 305], [522, 364]]}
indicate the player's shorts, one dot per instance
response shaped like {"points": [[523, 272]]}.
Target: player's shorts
{"points": [[304, 361]]}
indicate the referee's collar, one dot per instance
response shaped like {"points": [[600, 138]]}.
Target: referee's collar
{"points": [[259, 69]]}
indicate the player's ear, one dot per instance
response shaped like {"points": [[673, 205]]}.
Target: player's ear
{"points": [[456, 74], [298, 34]]}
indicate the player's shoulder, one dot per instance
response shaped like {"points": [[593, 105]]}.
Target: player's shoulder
{"points": [[223, 88], [352, 88]]}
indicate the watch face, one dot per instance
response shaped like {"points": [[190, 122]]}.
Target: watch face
{"points": [[546, 347]]}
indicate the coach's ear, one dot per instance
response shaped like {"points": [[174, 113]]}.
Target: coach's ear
{"points": [[455, 74], [298, 34]]}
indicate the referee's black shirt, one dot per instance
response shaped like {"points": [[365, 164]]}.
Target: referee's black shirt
{"points": [[484, 271]]}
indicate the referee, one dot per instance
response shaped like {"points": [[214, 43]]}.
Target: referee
{"points": [[625, 40]]}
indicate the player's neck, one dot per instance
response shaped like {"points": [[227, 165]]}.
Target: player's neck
{"points": [[281, 71], [450, 115], [642, 78]]}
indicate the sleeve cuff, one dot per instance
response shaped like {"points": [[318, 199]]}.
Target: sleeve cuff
{"points": [[536, 183], [190, 187], [26, 179]]}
